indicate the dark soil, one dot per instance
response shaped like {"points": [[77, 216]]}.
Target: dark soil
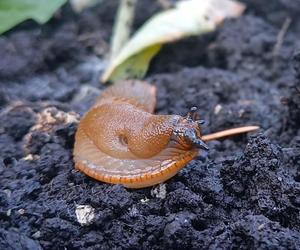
{"points": [[245, 194]]}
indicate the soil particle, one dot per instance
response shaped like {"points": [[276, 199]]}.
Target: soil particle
{"points": [[12, 240], [179, 227], [257, 232], [263, 181], [276, 11]]}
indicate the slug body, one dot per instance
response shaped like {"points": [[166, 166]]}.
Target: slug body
{"points": [[120, 141]]}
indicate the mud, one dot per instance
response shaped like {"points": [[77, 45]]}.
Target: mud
{"points": [[244, 194]]}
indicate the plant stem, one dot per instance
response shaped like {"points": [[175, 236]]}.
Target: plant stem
{"points": [[122, 26], [229, 132]]}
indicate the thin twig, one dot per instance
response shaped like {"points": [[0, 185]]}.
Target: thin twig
{"points": [[229, 132], [281, 35]]}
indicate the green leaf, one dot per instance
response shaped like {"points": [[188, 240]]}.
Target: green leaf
{"points": [[190, 17], [13, 12], [135, 66]]}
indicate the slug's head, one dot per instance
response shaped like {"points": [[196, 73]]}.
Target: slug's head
{"points": [[186, 132]]}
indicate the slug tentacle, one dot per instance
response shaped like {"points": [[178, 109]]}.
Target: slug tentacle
{"points": [[120, 141], [195, 141]]}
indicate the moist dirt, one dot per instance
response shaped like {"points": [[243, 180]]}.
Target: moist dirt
{"points": [[243, 194]]}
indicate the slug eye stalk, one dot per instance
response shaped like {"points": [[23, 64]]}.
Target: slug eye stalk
{"points": [[193, 116], [200, 122]]}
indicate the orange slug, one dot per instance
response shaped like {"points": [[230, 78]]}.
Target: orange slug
{"points": [[120, 141]]}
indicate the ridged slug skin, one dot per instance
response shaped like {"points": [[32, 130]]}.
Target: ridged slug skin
{"points": [[120, 141]]}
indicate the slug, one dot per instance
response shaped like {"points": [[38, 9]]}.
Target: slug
{"points": [[121, 141]]}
